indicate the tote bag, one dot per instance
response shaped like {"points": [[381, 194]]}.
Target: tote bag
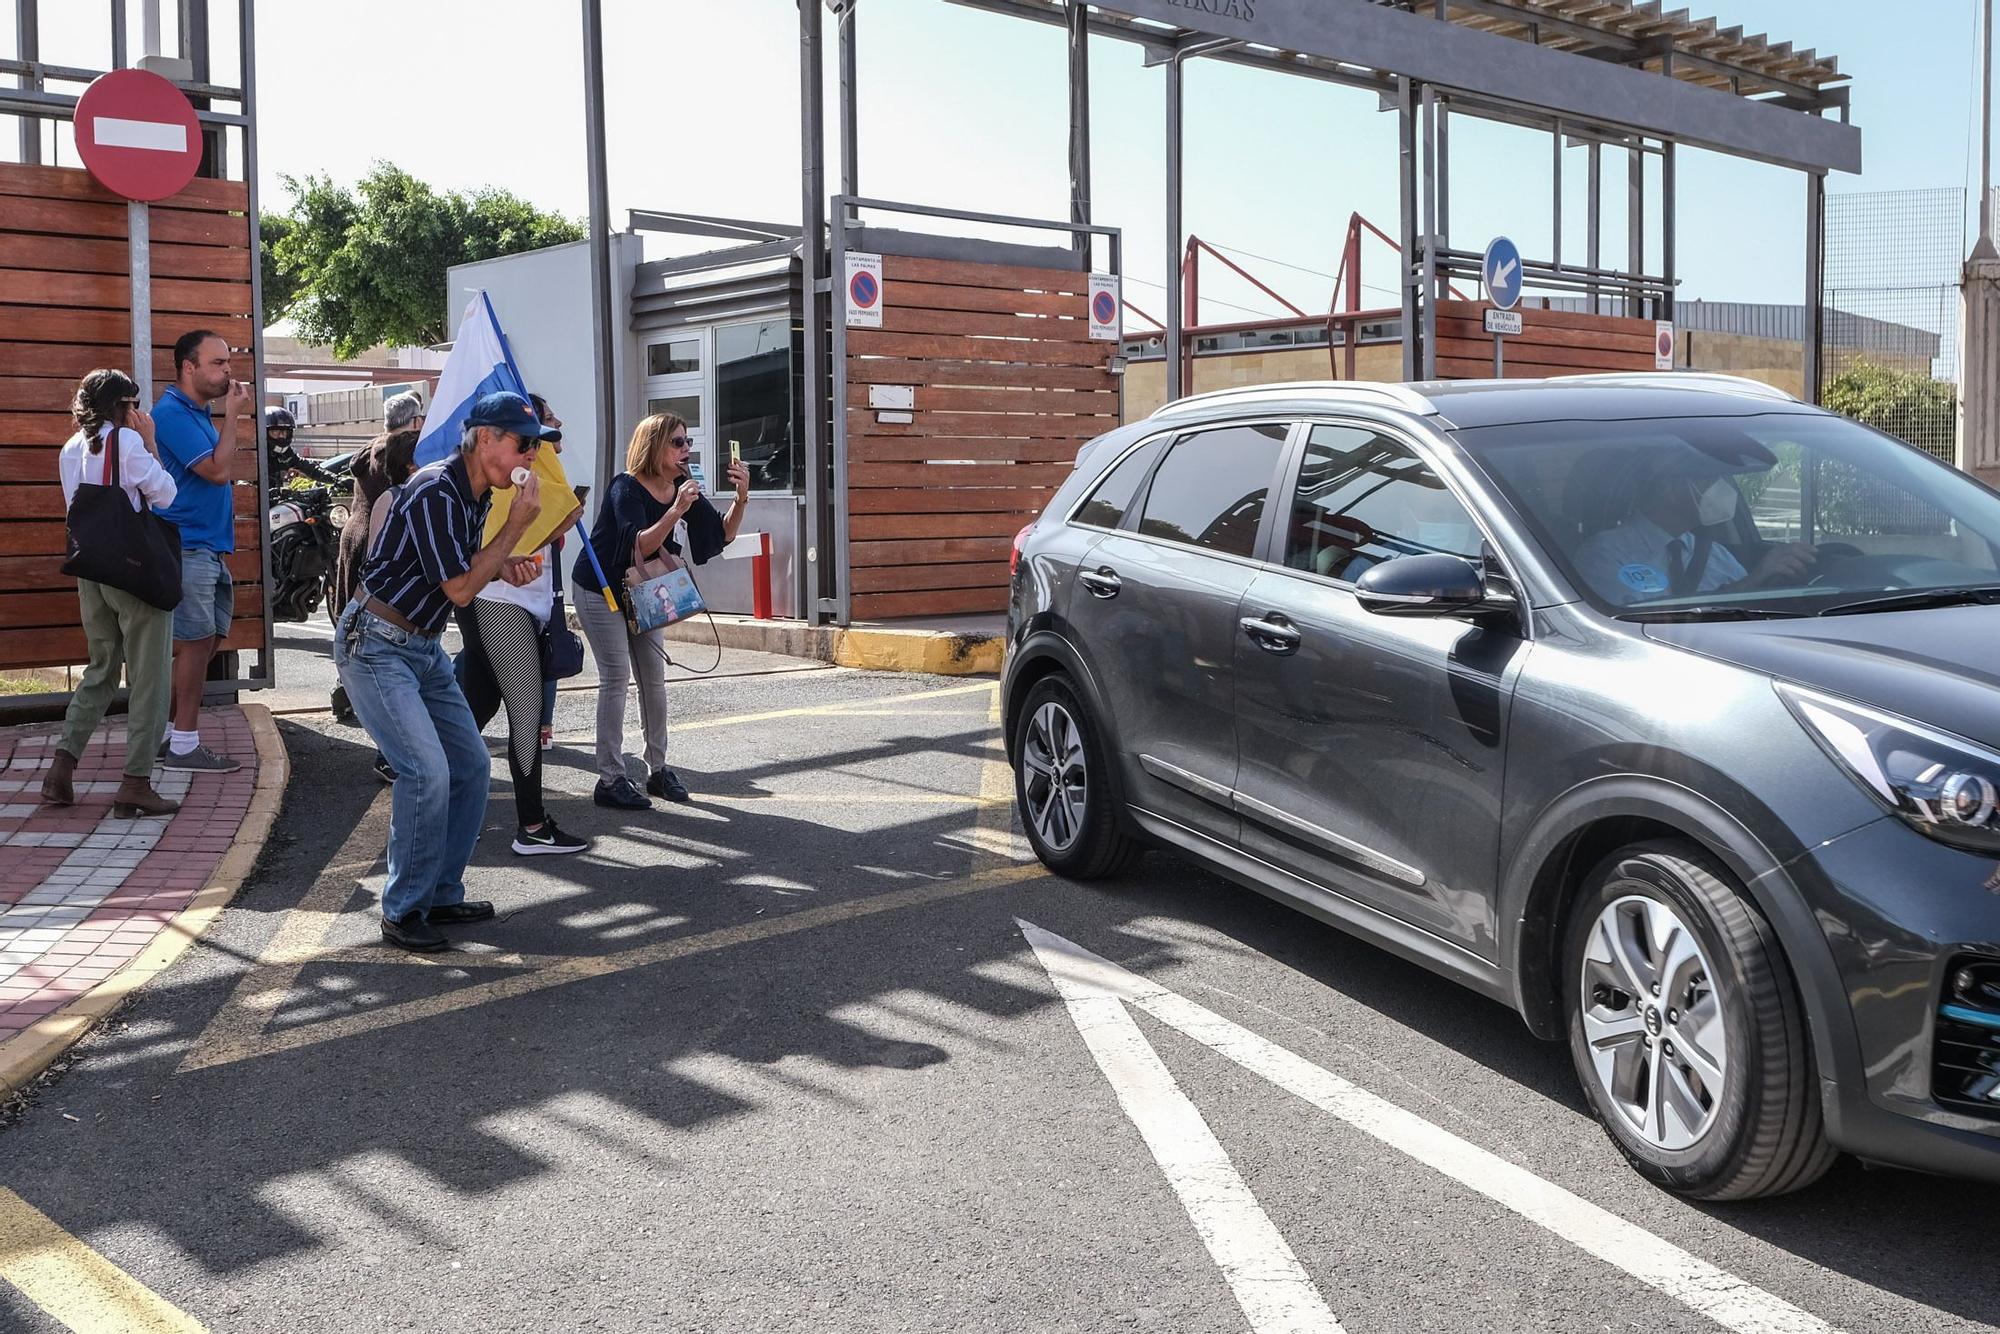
{"points": [[659, 592], [108, 542]]}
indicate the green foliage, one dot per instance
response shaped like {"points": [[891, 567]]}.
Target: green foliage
{"points": [[366, 266], [280, 287], [1907, 404]]}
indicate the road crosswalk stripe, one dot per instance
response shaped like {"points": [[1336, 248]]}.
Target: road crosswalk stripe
{"points": [[73, 1283]]}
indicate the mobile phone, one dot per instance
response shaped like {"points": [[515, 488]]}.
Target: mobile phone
{"points": [[694, 471], [735, 452]]}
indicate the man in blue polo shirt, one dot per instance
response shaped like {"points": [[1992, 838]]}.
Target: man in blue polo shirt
{"points": [[202, 462]]}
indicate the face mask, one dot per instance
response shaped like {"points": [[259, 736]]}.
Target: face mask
{"points": [[1716, 503]]}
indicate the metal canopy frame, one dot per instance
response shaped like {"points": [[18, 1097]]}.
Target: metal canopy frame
{"points": [[33, 103]]}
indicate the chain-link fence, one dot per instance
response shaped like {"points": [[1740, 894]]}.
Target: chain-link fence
{"points": [[1889, 341]]}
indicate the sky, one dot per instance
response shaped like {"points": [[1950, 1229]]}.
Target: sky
{"points": [[966, 109]]}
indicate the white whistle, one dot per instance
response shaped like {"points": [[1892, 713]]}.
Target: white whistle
{"points": [[521, 476]]}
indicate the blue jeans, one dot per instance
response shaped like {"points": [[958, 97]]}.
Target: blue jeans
{"points": [[207, 596], [402, 689]]}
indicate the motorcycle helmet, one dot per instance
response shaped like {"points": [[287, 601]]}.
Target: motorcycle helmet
{"points": [[278, 419]]}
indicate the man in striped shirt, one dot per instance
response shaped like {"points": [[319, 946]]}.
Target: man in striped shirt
{"points": [[427, 559]]}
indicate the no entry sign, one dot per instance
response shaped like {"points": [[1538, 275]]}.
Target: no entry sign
{"points": [[137, 135]]}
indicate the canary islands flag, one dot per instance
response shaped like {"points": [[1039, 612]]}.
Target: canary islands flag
{"points": [[480, 363]]}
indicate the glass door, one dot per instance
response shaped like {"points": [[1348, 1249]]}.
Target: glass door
{"points": [[677, 381]]}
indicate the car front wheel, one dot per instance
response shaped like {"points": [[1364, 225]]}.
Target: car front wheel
{"points": [[1687, 1032], [1062, 787]]}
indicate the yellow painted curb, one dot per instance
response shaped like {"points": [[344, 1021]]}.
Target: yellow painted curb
{"points": [[928, 651], [34, 1049]]}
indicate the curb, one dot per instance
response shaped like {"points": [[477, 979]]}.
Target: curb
{"points": [[34, 1049], [932, 652]]}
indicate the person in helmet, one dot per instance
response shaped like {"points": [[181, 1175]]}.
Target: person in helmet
{"points": [[284, 460]]}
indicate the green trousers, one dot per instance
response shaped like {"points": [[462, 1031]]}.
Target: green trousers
{"points": [[123, 632]]}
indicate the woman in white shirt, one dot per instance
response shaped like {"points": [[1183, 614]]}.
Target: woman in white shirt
{"points": [[120, 629]]}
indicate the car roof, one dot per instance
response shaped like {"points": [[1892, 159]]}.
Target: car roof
{"points": [[1474, 403]]}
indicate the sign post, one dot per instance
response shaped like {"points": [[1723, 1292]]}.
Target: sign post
{"points": [[1500, 270], [138, 137]]}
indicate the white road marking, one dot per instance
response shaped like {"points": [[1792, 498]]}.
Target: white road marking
{"points": [[1267, 1280], [1729, 1301], [154, 135]]}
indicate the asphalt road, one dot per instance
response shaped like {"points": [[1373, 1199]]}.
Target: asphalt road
{"points": [[788, 1060]]}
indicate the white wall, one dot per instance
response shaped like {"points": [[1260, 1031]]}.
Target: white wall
{"points": [[543, 300]]}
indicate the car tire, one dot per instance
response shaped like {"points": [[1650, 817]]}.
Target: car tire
{"points": [[1663, 947], [1075, 831]]}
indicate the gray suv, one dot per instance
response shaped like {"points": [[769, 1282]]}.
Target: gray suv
{"points": [[1663, 709]]}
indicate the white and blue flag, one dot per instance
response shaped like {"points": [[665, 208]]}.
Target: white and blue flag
{"points": [[480, 363]]}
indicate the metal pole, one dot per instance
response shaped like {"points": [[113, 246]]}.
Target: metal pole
{"points": [[195, 50], [149, 27], [850, 112], [598, 185], [820, 557], [1499, 357], [1176, 384], [1079, 125], [1443, 173], [246, 36], [139, 263], [1815, 283], [1431, 281], [1406, 165], [1985, 248], [1635, 223], [120, 41], [1557, 211], [843, 573], [1594, 219], [28, 43], [1668, 223]]}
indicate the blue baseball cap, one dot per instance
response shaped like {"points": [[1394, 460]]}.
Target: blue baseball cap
{"points": [[508, 411]]}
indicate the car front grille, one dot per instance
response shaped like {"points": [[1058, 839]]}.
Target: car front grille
{"points": [[1965, 1068]]}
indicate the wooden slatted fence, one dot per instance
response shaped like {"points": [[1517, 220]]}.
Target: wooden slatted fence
{"points": [[1551, 342], [1008, 387], [65, 297]]}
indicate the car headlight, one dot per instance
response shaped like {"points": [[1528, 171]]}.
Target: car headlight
{"points": [[1941, 785]]}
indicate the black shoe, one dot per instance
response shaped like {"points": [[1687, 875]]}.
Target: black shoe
{"points": [[382, 769], [343, 712], [547, 840], [666, 783], [620, 795], [412, 932], [457, 914]]}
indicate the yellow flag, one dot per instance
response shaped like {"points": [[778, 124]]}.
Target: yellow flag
{"points": [[558, 503]]}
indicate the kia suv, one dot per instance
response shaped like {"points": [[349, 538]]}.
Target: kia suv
{"points": [[1664, 709]]}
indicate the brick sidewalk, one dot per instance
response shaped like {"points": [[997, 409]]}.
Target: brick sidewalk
{"points": [[82, 894]]}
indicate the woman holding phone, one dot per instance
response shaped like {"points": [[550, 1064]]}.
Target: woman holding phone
{"points": [[646, 503], [120, 628]]}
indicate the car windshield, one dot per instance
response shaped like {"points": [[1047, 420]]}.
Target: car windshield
{"points": [[1781, 514]]}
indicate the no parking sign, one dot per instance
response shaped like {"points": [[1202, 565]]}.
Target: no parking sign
{"points": [[1105, 319], [864, 291]]}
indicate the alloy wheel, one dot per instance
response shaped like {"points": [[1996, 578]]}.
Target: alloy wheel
{"points": [[1652, 1018], [1057, 780]]}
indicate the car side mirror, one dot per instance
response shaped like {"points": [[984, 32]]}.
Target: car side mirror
{"points": [[1434, 585]]}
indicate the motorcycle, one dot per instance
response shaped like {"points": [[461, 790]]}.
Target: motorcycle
{"points": [[305, 546]]}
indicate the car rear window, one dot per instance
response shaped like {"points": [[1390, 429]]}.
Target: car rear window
{"points": [[1113, 496], [1211, 488]]}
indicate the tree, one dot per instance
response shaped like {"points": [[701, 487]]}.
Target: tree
{"points": [[366, 266], [280, 287], [1909, 405]]}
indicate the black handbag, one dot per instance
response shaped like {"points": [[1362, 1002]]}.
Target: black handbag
{"points": [[108, 542], [562, 648]]}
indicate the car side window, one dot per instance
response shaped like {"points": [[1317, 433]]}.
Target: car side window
{"points": [[1211, 488], [1113, 496], [1363, 498]]}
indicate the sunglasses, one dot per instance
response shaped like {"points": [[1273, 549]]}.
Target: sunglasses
{"points": [[679, 441], [526, 445]]}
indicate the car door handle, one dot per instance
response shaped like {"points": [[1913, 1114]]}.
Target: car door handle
{"points": [[1102, 582], [1273, 633]]}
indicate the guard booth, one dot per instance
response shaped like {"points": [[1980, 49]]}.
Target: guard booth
{"points": [[89, 279]]}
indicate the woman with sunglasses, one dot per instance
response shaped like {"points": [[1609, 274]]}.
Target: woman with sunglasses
{"points": [[121, 629], [644, 506]]}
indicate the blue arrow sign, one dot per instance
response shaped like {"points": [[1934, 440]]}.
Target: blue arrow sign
{"points": [[1501, 272]]}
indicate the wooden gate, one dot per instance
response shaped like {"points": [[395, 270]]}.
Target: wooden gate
{"points": [[1007, 386], [1551, 342], [65, 302]]}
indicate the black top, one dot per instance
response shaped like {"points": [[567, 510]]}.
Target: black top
{"points": [[432, 533], [629, 508]]}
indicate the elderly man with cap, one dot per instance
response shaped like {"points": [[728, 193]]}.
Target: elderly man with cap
{"points": [[427, 559], [1672, 540]]}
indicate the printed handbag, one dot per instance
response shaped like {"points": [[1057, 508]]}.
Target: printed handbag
{"points": [[109, 542], [659, 592], [562, 649]]}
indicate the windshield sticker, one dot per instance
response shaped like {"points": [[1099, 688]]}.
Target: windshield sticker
{"points": [[1642, 579]]}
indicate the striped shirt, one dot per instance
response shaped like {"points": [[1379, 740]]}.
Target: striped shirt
{"points": [[430, 536]]}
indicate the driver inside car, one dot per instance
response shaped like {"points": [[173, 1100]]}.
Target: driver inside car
{"points": [[1670, 543]]}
